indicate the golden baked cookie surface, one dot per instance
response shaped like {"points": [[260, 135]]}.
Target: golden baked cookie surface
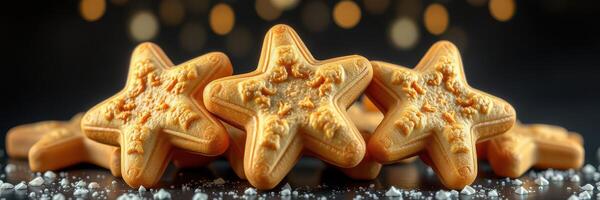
{"points": [[534, 145], [431, 110], [160, 106], [292, 101]]}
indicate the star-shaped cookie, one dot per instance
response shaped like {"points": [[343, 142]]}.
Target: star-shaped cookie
{"points": [[234, 154], [431, 111], [291, 102], [56, 145], [159, 108], [536, 145], [19, 139]]}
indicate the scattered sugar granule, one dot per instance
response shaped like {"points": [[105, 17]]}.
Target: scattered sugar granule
{"points": [[285, 192], [585, 195], [393, 192], [441, 195], [10, 168], [64, 182], [521, 190], [6, 186], [80, 192], [573, 197], [541, 181], [557, 178], [492, 193], [114, 182], [219, 181], [32, 195], [588, 187], [468, 190], [50, 175], [588, 169], [36, 182], [517, 182], [295, 193], [162, 194], [200, 196], [575, 178], [80, 184], [128, 196], [142, 189], [21, 186], [454, 193], [95, 194], [58, 196], [93, 185], [250, 191]]}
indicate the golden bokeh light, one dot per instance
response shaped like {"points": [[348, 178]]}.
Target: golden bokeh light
{"points": [[477, 3], [404, 33], [266, 10], [376, 6], [171, 12], [221, 19], [143, 26], [285, 4], [192, 36], [316, 16], [502, 10], [239, 42], [436, 18], [346, 14], [92, 10]]}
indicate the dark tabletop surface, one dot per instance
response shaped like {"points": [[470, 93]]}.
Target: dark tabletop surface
{"points": [[309, 179]]}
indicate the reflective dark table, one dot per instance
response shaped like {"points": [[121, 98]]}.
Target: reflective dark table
{"points": [[309, 179]]}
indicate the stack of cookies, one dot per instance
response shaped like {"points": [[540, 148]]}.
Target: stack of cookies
{"points": [[294, 105]]}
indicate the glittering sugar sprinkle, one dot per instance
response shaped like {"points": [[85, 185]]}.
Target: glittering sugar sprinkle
{"points": [[6, 186], [93, 185], [162, 194], [492, 193], [585, 195], [588, 169], [142, 189], [588, 187], [250, 191], [517, 182], [575, 178], [541, 181], [50, 175], [521, 190], [468, 190], [200, 196], [442, 194], [80, 192], [393, 192], [286, 190], [36, 182], [21, 186]]}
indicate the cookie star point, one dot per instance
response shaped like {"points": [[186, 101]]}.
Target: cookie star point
{"points": [[160, 107]]}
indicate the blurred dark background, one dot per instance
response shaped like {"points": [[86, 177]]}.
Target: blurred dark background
{"points": [[62, 57]]}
